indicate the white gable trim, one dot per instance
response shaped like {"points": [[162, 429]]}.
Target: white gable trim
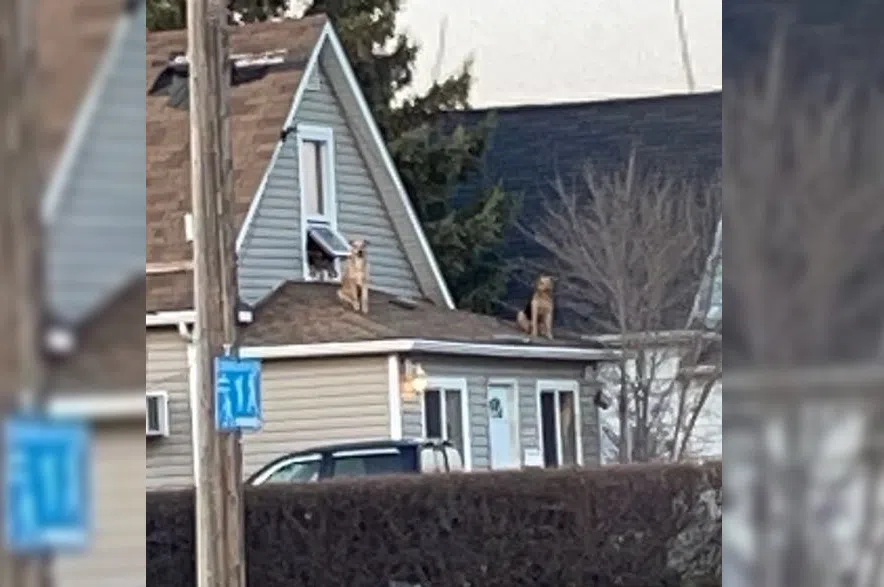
{"points": [[442, 347], [329, 35], [85, 114], [299, 94]]}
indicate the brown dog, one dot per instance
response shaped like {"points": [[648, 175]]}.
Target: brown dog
{"points": [[539, 310], [354, 281]]}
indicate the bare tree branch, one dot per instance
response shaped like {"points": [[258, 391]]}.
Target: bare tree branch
{"points": [[631, 249]]}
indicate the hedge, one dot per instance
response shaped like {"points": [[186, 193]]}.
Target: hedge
{"points": [[635, 526]]}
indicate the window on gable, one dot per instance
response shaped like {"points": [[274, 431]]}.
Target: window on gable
{"points": [[324, 244], [313, 156]]}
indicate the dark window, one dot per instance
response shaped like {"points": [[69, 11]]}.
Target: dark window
{"points": [[432, 413], [360, 465], [299, 471], [548, 415]]}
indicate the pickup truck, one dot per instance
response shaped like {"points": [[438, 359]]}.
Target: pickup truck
{"points": [[359, 459]]}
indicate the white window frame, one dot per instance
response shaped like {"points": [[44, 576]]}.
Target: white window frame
{"points": [[326, 135], [558, 386], [311, 458], [459, 384], [514, 385]]}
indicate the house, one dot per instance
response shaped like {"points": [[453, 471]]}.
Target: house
{"points": [[534, 148], [311, 172], [92, 158]]}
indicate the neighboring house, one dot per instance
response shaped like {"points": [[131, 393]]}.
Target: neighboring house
{"points": [[90, 59], [533, 148], [311, 170]]}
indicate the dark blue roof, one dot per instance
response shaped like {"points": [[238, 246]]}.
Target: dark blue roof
{"points": [[822, 36], [531, 146]]}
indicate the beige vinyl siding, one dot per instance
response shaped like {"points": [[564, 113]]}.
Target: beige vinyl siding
{"points": [[478, 372], [169, 462], [116, 556], [310, 402]]}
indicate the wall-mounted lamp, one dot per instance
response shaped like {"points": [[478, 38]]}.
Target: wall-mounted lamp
{"points": [[414, 379]]}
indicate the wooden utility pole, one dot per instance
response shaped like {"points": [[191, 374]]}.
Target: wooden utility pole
{"points": [[219, 513], [21, 248]]}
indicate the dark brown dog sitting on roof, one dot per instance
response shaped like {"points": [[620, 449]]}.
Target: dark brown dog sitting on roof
{"points": [[539, 310]]}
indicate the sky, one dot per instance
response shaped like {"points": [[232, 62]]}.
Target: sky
{"points": [[565, 50]]}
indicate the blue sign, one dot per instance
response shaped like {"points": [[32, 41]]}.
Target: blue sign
{"points": [[238, 394], [47, 505]]}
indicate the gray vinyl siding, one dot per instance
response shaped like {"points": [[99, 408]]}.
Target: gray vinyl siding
{"points": [[311, 402], [91, 251], [169, 462], [526, 373], [272, 249]]}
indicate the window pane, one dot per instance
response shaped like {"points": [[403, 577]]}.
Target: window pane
{"points": [[296, 473], [432, 414], [455, 421], [568, 424], [357, 466], [311, 178], [548, 423]]}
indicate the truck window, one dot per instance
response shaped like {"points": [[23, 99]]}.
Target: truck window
{"points": [[368, 462], [303, 469]]}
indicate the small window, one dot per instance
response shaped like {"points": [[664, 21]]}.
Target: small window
{"points": [[358, 464], [443, 417], [331, 243], [313, 177], [301, 470]]}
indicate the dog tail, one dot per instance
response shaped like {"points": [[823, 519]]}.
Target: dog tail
{"points": [[522, 319]]}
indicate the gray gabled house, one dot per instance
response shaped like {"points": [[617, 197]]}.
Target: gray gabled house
{"points": [[311, 169]]}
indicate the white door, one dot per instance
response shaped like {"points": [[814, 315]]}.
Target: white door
{"points": [[503, 428]]}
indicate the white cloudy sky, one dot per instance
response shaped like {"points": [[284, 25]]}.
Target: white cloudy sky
{"points": [[566, 50]]}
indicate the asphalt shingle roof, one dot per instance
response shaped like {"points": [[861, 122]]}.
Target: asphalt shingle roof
{"points": [[305, 313], [258, 112], [533, 146]]}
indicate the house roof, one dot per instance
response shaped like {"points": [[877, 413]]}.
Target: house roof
{"points": [[110, 353], [66, 59], [531, 147], [311, 313], [258, 112], [73, 38]]}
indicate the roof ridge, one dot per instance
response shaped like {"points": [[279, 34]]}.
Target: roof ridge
{"points": [[586, 103]]}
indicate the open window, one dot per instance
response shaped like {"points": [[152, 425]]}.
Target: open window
{"points": [[324, 246]]}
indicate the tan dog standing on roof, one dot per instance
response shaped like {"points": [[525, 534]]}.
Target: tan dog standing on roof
{"points": [[354, 281], [539, 310]]}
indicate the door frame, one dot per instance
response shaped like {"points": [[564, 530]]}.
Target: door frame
{"points": [[559, 385], [513, 384], [460, 384]]}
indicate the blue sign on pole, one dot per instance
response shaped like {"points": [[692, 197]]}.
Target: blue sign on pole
{"points": [[47, 487], [238, 394]]}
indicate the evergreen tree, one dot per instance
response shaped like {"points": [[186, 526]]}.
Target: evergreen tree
{"points": [[432, 157], [165, 15]]}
